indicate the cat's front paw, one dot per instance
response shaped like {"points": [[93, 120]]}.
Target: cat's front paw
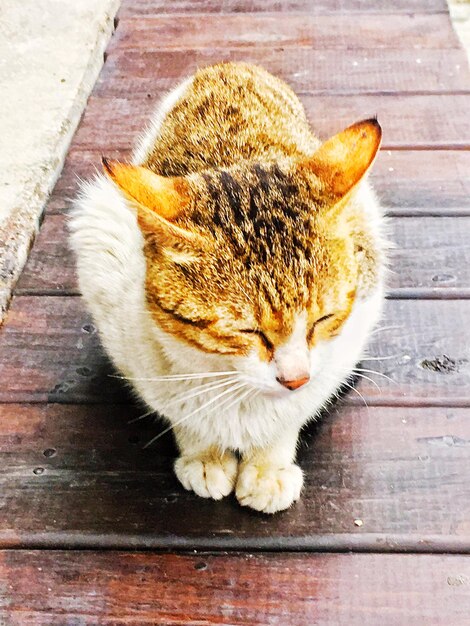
{"points": [[268, 488], [210, 475]]}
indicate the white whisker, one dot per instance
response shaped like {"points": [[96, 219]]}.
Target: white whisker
{"points": [[381, 358], [141, 417], [177, 377], [358, 393], [383, 328], [236, 397], [200, 391], [194, 393], [359, 375], [240, 398], [357, 370], [206, 404], [348, 385], [361, 369]]}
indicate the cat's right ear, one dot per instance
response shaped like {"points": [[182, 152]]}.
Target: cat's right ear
{"points": [[158, 200], [343, 160]]}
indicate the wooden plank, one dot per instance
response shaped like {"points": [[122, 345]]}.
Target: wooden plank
{"points": [[147, 8], [433, 121], [321, 32], [426, 181], [306, 70], [77, 476], [50, 268], [433, 180], [51, 344], [50, 352], [431, 258], [239, 589]]}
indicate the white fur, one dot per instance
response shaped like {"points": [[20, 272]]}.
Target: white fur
{"points": [[262, 427], [292, 359]]}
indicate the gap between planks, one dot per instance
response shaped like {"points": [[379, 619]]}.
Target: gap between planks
{"points": [[380, 543], [147, 8], [396, 294], [273, 14], [350, 401]]}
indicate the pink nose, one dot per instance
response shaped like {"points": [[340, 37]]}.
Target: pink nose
{"points": [[294, 384]]}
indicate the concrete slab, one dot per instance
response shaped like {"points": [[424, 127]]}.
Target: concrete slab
{"points": [[460, 15], [51, 53]]}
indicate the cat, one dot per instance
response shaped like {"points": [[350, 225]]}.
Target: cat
{"points": [[234, 270]]}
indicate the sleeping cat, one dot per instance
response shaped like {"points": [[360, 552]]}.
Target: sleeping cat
{"points": [[235, 269]]}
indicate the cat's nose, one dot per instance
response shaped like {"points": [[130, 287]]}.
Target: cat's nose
{"points": [[294, 384]]}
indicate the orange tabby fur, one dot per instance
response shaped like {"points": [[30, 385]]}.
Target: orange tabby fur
{"points": [[274, 230]]}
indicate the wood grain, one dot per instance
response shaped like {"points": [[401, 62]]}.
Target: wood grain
{"points": [[425, 181], [431, 258], [306, 70], [74, 473], [50, 268], [321, 32], [77, 476], [147, 8], [257, 589], [433, 121], [50, 351], [431, 180]]}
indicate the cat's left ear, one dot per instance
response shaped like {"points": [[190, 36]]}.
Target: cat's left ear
{"points": [[158, 201], [162, 196], [343, 160]]}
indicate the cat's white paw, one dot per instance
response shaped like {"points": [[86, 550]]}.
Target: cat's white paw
{"points": [[208, 475], [269, 488]]}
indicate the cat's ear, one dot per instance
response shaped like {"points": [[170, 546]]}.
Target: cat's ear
{"points": [[342, 161], [158, 200]]}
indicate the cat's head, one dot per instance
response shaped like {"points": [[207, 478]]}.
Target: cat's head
{"points": [[253, 267]]}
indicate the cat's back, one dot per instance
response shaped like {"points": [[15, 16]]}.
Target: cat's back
{"points": [[223, 114]]}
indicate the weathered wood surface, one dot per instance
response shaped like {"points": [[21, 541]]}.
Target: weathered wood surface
{"points": [[425, 181], [409, 122], [430, 257], [432, 254], [239, 589], [74, 473], [389, 70], [148, 8], [320, 32], [51, 352], [78, 476]]}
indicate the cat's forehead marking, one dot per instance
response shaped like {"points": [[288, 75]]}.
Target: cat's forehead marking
{"points": [[296, 338], [264, 213], [280, 322], [233, 194]]}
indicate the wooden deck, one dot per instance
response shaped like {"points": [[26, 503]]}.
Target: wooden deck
{"points": [[96, 530]]}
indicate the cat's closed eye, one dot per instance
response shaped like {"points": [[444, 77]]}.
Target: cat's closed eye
{"points": [[324, 318], [315, 324], [253, 331]]}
